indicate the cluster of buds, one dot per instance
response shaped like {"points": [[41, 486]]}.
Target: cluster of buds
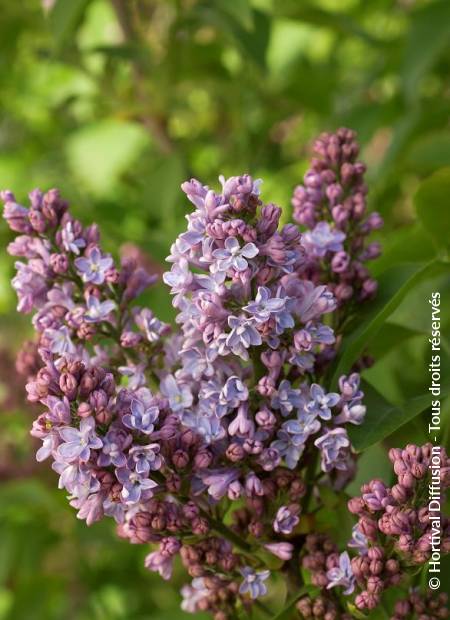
{"points": [[418, 606], [401, 518], [331, 205], [321, 607]]}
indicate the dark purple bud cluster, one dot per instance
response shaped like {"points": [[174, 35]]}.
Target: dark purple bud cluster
{"points": [[398, 517], [331, 205], [418, 606], [322, 607]]}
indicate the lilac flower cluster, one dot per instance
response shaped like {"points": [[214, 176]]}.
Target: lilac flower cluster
{"points": [[399, 516], [206, 441], [331, 205]]}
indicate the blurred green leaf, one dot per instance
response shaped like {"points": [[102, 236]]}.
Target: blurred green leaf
{"points": [[432, 205], [427, 38], [309, 12], [383, 418], [430, 152], [65, 17], [240, 10], [394, 284], [99, 153]]}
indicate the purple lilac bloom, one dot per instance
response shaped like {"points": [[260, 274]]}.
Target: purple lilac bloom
{"points": [[179, 395], [253, 582], [193, 594], [321, 402], [142, 416], [282, 550], [266, 306], [159, 563], [135, 374], [70, 242], [234, 392], [134, 484], [98, 310], [358, 541], [288, 447], [210, 428], [285, 521], [286, 399], [352, 413], [114, 443], [78, 443], [93, 267], [242, 336], [334, 446], [232, 256], [342, 575], [30, 286], [218, 481], [145, 458], [150, 325], [322, 239], [49, 445]]}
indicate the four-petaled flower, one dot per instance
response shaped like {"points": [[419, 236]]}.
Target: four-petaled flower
{"points": [[93, 267], [253, 582], [98, 310], [232, 256], [146, 458], [342, 575], [134, 485], [242, 336], [70, 242], [78, 443], [321, 402], [141, 417]]}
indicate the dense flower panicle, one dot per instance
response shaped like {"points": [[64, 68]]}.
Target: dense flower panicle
{"points": [[401, 515], [331, 206], [208, 441]]}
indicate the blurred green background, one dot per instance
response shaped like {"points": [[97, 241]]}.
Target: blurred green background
{"points": [[117, 102]]}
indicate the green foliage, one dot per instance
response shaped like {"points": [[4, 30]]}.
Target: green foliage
{"points": [[431, 202], [117, 102], [383, 418]]}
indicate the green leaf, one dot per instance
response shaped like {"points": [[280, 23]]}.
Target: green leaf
{"points": [[390, 337], [432, 205], [252, 43], [338, 21], [428, 36], [394, 284], [383, 418], [240, 10], [99, 153], [65, 17], [430, 152]]}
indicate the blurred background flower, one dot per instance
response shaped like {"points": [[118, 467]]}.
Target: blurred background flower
{"points": [[117, 102]]}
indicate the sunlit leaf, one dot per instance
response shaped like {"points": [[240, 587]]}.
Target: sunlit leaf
{"points": [[99, 153], [394, 284], [383, 418]]}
